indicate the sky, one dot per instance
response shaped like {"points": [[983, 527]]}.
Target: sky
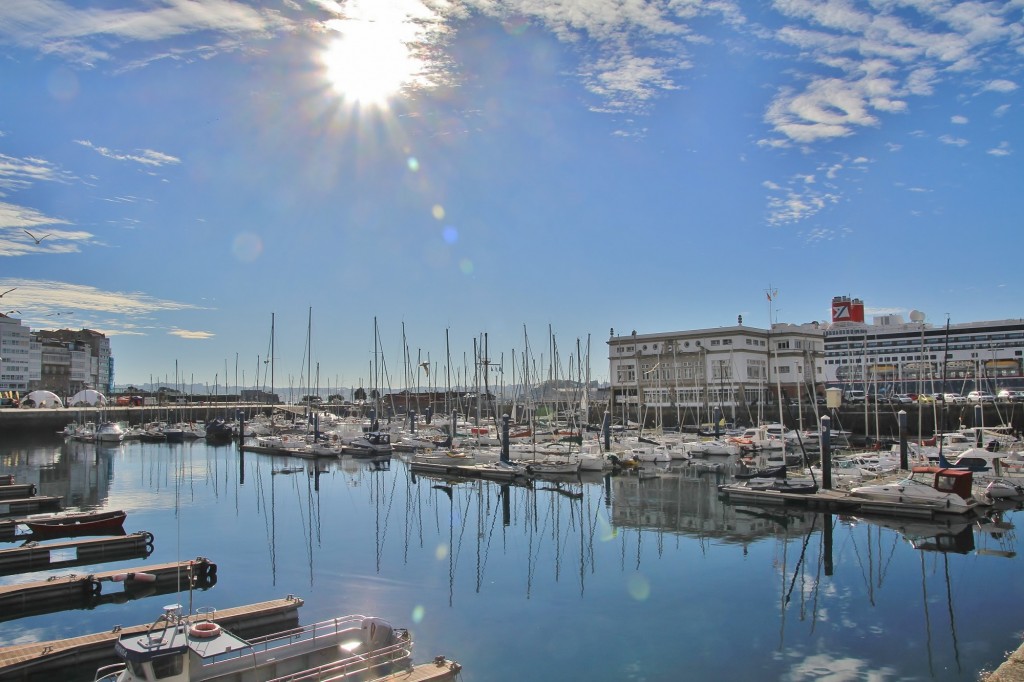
{"points": [[373, 192]]}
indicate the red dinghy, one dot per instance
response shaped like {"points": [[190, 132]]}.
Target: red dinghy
{"points": [[77, 523]]}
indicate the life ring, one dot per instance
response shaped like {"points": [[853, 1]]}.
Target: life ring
{"points": [[204, 629]]}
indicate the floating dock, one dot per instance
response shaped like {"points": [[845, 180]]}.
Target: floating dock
{"points": [[13, 491], [837, 501], [59, 593], [488, 471], [86, 654], [29, 505], [39, 557]]}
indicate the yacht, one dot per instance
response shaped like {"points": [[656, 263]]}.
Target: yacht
{"points": [[935, 489], [109, 432]]}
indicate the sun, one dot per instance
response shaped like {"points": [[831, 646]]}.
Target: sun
{"points": [[369, 62]]}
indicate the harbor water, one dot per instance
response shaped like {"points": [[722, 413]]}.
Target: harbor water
{"points": [[604, 578]]}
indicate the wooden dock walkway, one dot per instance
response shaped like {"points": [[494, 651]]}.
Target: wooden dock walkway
{"points": [[59, 593], [39, 557], [14, 491], [29, 505], [30, 661]]}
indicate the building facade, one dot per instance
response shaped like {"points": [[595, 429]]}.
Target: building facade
{"points": [[15, 355], [744, 373], [891, 355], [63, 361]]}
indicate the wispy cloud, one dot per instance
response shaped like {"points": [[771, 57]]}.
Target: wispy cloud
{"points": [[874, 60], [146, 157], [953, 140], [14, 216], [45, 303], [186, 334], [1003, 149], [1000, 85], [958, 120], [20, 173], [91, 35]]}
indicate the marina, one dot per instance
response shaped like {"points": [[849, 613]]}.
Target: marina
{"points": [[581, 559]]}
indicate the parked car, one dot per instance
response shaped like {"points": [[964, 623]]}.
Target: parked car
{"points": [[980, 397], [1009, 395], [954, 398], [902, 399], [925, 398]]}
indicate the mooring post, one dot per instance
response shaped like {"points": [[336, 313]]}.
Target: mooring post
{"points": [[504, 438], [606, 430], [826, 452], [979, 438], [901, 417]]}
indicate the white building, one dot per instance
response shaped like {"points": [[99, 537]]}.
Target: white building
{"points": [[738, 370], [15, 355]]}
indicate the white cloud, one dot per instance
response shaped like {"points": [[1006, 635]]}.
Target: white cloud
{"points": [[1000, 85], [21, 173], [1001, 110], [146, 157], [959, 120], [91, 34], [954, 141], [186, 334], [20, 217], [1003, 149], [44, 302]]}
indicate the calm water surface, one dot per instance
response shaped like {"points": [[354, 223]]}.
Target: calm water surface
{"points": [[605, 579]]}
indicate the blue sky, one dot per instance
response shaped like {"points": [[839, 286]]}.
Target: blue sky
{"points": [[446, 170]]}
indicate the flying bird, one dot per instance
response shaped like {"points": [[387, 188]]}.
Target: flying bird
{"points": [[7, 292], [35, 238]]}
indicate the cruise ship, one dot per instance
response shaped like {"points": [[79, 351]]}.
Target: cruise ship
{"points": [[894, 355]]}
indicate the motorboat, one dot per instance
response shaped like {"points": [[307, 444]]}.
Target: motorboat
{"points": [[109, 432], [929, 487], [178, 648], [1004, 489], [370, 444], [219, 431]]}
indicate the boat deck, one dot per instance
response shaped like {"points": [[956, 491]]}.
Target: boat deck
{"points": [[439, 669]]}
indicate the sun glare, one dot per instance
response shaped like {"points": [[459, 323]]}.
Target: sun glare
{"points": [[370, 61]]}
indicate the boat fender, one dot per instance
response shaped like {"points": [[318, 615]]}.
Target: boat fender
{"points": [[94, 586], [204, 630]]}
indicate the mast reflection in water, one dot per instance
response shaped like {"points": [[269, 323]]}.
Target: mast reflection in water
{"points": [[626, 577]]}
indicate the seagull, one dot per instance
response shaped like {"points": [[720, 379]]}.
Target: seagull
{"points": [[35, 238], [7, 292]]}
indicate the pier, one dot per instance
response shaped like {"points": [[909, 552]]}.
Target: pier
{"points": [[89, 652], [58, 593], [29, 505], [37, 557]]}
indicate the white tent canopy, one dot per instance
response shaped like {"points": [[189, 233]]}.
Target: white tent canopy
{"points": [[42, 399], [88, 397]]}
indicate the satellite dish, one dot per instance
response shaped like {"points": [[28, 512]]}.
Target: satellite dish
{"points": [[916, 316]]}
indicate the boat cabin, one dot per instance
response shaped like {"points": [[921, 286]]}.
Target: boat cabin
{"points": [[957, 481]]}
